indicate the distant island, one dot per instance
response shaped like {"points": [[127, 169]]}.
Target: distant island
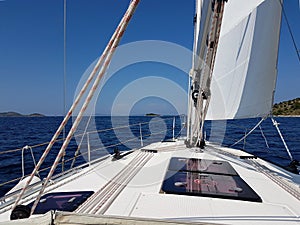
{"points": [[152, 114], [287, 108], [15, 114]]}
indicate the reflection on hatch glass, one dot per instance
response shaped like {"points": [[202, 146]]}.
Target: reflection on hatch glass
{"points": [[62, 201], [207, 178]]}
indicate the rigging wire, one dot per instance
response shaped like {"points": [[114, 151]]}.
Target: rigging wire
{"points": [[263, 135], [85, 153], [123, 26], [80, 143], [101, 60], [290, 31], [78, 135], [65, 76], [276, 124], [245, 136], [252, 145]]}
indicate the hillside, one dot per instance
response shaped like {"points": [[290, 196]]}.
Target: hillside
{"points": [[152, 114], [291, 107], [15, 114]]}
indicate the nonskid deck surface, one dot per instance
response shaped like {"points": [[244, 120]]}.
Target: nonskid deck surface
{"points": [[101, 200], [133, 186]]}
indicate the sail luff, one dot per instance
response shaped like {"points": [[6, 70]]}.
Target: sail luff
{"points": [[207, 40], [277, 58], [201, 28]]}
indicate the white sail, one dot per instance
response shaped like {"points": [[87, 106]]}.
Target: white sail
{"points": [[245, 70]]}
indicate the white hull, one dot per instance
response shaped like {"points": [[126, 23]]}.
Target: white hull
{"points": [[166, 181], [132, 187]]}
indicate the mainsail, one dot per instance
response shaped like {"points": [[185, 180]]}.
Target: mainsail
{"points": [[245, 71], [235, 62]]}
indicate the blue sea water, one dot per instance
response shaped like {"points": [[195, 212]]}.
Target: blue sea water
{"points": [[18, 132]]}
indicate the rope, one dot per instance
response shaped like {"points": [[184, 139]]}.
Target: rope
{"points": [[106, 62], [113, 128], [82, 154], [105, 195], [10, 181], [71, 110], [74, 105], [290, 31], [20, 149], [98, 131], [46, 168], [77, 135]]}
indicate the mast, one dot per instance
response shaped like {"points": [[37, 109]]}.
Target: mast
{"points": [[205, 48]]}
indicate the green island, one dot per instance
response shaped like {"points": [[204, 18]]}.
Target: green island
{"points": [[152, 114], [287, 108], [15, 114]]}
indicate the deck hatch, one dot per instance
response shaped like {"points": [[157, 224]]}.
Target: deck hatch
{"points": [[62, 201], [201, 165], [206, 178]]}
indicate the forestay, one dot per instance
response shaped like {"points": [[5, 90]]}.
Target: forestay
{"points": [[245, 69]]}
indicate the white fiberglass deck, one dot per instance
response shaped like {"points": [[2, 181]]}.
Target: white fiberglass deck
{"points": [[132, 186]]}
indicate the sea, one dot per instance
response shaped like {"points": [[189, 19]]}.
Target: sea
{"points": [[102, 135]]}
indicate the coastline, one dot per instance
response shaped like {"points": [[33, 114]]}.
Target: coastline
{"points": [[15, 114], [287, 116]]}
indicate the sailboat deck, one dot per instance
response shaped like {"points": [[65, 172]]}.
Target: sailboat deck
{"points": [[132, 186]]}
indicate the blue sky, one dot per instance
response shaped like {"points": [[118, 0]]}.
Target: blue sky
{"points": [[31, 49]]}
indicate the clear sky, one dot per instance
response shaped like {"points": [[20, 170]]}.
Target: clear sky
{"points": [[31, 50]]}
